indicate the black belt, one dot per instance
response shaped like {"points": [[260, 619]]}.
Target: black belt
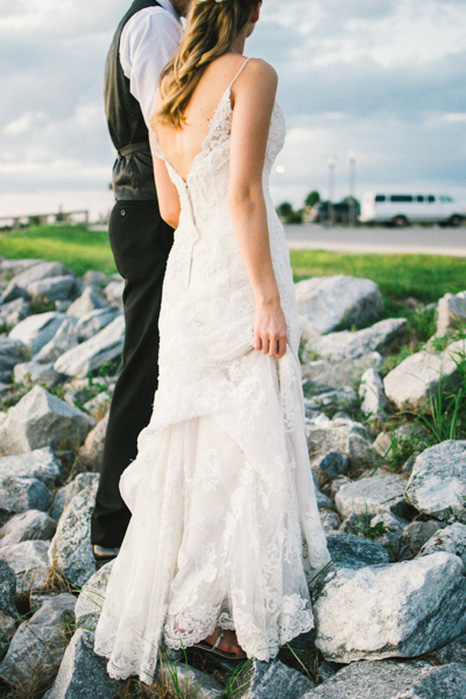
{"points": [[134, 148]]}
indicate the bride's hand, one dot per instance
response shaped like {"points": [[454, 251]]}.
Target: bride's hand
{"points": [[270, 330]]}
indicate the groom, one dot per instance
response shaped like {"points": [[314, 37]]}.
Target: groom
{"points": [[144, 42]]}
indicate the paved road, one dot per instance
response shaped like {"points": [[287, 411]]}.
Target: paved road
{"points": [[413, 239]]}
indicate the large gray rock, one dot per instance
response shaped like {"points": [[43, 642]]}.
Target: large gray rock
{"points": [[329, 465], [392, 679], [82, 673], [340, 301], [451, 313], [93, 448], [14, 267], [90, 355], [114, 292], [349, 551], [374, 401], [36, 330], [373, 495], [385, 529], [19, 494], [194, 682], [29, 562], [342, 399], [92, 323], [349, 344], [13, 312], [53, 289], [38, 646], [35, 272], [8, 611], [437, 485], [412, 384], [71, 548], [12, 352], [64, 339], [65, 495], [40, 419], [415, 535], [322, 374], [403, 609], [90, 300], [272, 680], [40, 463], [91, 597], [451, 539], [27, 526], [33, 373], [342, 435]]}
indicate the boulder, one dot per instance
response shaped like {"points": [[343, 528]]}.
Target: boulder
{"points": [[373, 495], [437, 485], [329, 520], [90, 600], [90, 300], [453, 652], [415, 535], [274, 680], [71, 548], [64, 339], [13, 312], [82, 673], [419, 377], [451, 539], [332, 302], [65, 495], [348, 344], [322, 374], [114, 293], [40, 463], [342, 435], [8, 612], [92, 323], [40, 419], [27, 526], [385, 529], [36, 330], [94, 278], [38, 646], [12, 352], [451, 313], [389, 679], [329, 465], [32, 373], [19, 494], [90, 355], [332, 401], [29, 563], [374, 401], [402, 609], [43, 270], [14, 267], [93, 448], [349, 551], [52, 289]]}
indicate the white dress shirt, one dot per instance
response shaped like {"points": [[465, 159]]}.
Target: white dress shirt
{"points": [[148, 41]]}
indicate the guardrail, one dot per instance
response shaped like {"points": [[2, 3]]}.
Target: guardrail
{"points": [[14, 223]]}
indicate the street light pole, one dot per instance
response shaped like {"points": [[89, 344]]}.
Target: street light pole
{"points": [[352, 186], [331, 188]]}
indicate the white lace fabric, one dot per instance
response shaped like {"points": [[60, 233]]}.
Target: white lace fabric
{"points": [[221, 492]]}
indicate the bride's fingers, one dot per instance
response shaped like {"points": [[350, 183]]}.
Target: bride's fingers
{"points": [[281, 348], [257, 342]]}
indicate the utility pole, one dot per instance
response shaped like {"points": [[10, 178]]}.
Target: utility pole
{"points": [[331, 188], [352, 186]]}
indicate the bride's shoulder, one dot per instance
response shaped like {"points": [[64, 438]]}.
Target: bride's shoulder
{"points": [[261, 70]]}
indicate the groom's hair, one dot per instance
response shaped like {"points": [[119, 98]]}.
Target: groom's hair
{"points": [[212, 27]]}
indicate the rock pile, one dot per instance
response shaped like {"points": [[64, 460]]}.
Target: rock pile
{"points": [[391, 496]]}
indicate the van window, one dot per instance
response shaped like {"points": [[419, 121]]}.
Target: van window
{"points": [[420, 197], [380, 197], [431, 198], [401, 197]]}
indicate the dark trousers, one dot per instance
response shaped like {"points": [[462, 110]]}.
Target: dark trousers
{"points": [[140, 243]]}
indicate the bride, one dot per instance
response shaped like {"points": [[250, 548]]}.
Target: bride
{"points": [[225, 529]]}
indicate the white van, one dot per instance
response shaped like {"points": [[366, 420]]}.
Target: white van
{"points": [[403, 209]]}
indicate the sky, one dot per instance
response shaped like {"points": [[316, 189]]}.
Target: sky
{"points": [[383, 79]]}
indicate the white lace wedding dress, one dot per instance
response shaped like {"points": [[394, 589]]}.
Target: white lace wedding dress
{"points": [[221, 492]]}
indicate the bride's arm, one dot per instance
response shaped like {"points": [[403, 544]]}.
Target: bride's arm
{"points": [[167, 196], [253, 97]]}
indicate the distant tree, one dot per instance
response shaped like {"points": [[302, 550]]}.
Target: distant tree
{"points": [[312, 198], [284, 209]]}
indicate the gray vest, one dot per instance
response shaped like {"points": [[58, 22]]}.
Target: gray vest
{"points": [[133, 176]]}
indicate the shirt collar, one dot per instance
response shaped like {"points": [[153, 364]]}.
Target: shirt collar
{"points": [[166, 4]]}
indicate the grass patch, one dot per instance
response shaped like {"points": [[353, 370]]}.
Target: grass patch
{"points": [[75, 246]]}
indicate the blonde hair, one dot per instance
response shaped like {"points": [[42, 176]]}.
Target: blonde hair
{"points": [[211, 29]]}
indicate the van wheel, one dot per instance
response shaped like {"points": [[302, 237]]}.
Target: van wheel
{"points": [[455, 221], [400, 221]]}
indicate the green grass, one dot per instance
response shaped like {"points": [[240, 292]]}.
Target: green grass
{"points": [[75, 246]]}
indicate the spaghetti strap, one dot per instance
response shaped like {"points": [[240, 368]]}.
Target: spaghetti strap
{"points": [[238, 73]]}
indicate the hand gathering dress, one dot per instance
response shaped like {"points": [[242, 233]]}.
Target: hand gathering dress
{"points": [[225, 529]]}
